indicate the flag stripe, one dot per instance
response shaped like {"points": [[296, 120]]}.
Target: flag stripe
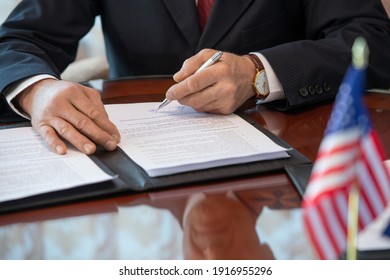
{"points": [[367, 189], [375, 158], [335, 161], [365, 215], [323, 212], [328, 218], [371, 191], [342, 208], [317, 233], [333, 223]]}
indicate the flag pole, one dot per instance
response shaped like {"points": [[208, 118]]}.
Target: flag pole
{"points": [[353, 215], [359, 61]]}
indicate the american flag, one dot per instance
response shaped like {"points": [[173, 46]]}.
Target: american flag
{"points": [[349, 154]]}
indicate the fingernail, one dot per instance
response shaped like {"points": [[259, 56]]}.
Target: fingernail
{"points": [[110, 145], [88, 148], [60, 150], [177, 75]]}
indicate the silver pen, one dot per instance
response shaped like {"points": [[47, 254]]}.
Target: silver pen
{"points": [[208, 63]]}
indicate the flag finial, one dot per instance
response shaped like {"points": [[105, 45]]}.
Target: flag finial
{"points": [[360, 53]]}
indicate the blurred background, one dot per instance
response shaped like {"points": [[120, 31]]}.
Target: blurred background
{"points": [[91, 62]]}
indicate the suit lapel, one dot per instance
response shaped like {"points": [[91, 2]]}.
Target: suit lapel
{"points": [[223, 16], [184, 13]]}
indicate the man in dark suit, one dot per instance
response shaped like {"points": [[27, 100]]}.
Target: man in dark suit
{"points": [[302, 45]]}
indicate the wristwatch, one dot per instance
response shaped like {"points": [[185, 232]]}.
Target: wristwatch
{"points": [[260, 81]]}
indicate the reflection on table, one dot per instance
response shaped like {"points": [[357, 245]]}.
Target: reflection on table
{"points": [[205, 226]]}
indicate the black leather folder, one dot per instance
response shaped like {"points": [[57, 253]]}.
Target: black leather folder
{"points": [[299, 175], [132, 178]]}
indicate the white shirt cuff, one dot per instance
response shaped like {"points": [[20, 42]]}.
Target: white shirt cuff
{"points": [[275, 88], [18, 88]]}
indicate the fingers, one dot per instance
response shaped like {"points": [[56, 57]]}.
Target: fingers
{"points": [[67, 132], [218, 99], [192, 64], [63, 111], [82, 132], [220, 88], [209, 90], [84, 122], [51, 138], [191, 81], [93, 108], [193, 84]]}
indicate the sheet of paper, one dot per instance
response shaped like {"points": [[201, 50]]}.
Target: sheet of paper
{"points": [[28, 167], [177, 138]]}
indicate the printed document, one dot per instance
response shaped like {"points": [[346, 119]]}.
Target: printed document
{"points": [[177, 138], [28, 167], [173, 140]]}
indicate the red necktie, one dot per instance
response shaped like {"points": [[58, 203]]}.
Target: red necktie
{"points": [[204, 8]]}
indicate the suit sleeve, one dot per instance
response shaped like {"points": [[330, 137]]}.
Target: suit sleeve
{"points": [[41, 37], [311, 69]]}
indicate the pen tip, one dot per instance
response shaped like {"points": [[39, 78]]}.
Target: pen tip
{"points": [[163, 104]]}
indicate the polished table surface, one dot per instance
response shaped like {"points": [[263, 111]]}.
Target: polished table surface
{"points": [[245, 218]]}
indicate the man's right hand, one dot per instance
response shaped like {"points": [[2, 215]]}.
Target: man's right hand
{"points": [[62, 110]]}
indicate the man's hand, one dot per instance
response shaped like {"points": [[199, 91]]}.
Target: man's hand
{"points": [[64, 110], [220, 88]]}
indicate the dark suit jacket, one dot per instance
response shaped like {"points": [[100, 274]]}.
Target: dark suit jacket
{"points": [[307, 42]]}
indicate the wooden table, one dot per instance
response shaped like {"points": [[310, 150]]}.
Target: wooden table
{"points": [[233, 219]]}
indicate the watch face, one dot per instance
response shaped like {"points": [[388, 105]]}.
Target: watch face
{"points": [[261, 83]]}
